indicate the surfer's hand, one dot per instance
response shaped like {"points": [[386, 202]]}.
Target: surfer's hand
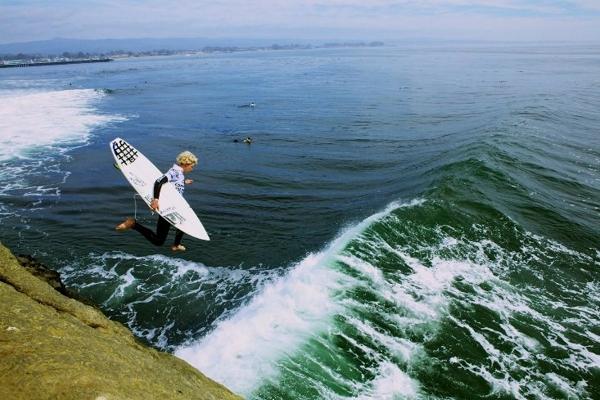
{"points": [[188, 181], [154, 204]]}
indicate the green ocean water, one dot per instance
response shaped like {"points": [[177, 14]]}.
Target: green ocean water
{"points": [[413, 222]]}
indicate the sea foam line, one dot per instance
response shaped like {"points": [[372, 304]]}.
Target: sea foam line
{"points": [[52, 118], [36, 129]]}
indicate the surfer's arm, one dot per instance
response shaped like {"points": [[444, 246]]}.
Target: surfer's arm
{"points": [[157, 186]]}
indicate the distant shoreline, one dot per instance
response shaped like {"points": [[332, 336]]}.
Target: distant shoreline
{"points": [[31, 60], [44, 63]]}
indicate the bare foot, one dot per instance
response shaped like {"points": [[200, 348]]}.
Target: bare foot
{"points": [[125, 225], [178, 248]]}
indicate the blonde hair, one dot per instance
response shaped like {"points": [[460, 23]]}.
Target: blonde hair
{"points": [[187, 158]]}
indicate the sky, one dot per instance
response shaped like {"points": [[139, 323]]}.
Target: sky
{"points": [[386, 20]]}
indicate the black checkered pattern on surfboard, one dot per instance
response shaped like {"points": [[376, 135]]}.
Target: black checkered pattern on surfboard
{"points": [[124, 152]]}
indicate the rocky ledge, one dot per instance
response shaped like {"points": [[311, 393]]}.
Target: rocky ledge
{"points": [[55, 347]]}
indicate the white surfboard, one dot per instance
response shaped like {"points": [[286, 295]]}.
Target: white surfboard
{"points": [[141, 174]]}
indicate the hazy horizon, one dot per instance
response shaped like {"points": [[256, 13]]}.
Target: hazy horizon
{"points": [[384, 20]]}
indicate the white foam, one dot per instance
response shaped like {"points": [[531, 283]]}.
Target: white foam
{"points": [[33, 120], [126, 280], [391, 384], [36, 129], [244, 349], [399, 347], [103, 270], [368, 270], [508, 302], [423, 297], [568, 389], [422, 292]]}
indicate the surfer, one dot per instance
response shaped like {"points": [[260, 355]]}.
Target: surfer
{"points": [[185, 162]]}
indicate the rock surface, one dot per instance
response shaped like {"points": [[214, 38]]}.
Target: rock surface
{"points": [[54, 347]]}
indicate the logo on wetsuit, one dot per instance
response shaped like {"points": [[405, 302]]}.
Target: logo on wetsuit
{"points": [[175, 176]]}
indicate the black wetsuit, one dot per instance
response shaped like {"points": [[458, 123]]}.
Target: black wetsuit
{"points": [[163, 226]]}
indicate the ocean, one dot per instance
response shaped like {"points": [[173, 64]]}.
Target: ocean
{"points": [[410, 222]]}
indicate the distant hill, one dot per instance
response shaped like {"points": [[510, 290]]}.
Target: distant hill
{"points": [[59, 45]]}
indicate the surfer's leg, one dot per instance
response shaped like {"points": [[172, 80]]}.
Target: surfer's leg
{"points": [[177, 246], [125, 225], [162, 229], [158, 238], [178, 237]]}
